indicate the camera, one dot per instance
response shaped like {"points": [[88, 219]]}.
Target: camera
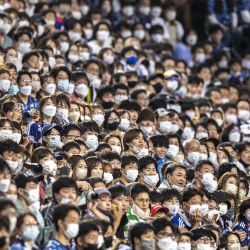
{"points": [[87, 196]]}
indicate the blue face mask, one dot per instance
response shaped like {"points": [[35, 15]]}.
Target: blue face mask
{"points": [[13, 90], [132, 60]]}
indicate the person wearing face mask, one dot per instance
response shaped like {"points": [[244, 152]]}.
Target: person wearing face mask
{"points": [[111, 122], [142, 236], [146, 122], [148, 172], [88, 235], [157, 34], [190, 216], [229, 183], [202, 239], [174, 147], [81, 86], [27, 232], [192, 148], [102, 37], [24, 80], [66, 218], [5, 233], [172, 81], [28, 195], [5, 81], [95, 167], [230, 241], [5, 176], [13, 154], [175, 177], [51, 136], [173, 29], [134, 143], [74, 112], [242, 225], [171, 199], [90, 131], [204, 176], [166, 234]]}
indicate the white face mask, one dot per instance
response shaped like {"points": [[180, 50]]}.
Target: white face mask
{"points": [[202, 246], [64, 46], [49, 110], [172, 85], [33, 195], [116, 149], [201, 135], [4, 185], [73, 58], [81, 173], [13, 165], [211, 213], [146, 130], [97, 173], [165, 126], [200, 57], [188, 133], [132, 175], [71, 230], [204, 156], [204, 209], [167, 243], [156, 11], [173, 150], [171, 15], [30, 233], [144, 10], [74, 116], [16, 137], [232, 188], [234, 137], [184, 246], [194, 208], [173, 209], [120, 98], [24, 47], [244, 114], [231, 118], [4, 85], [88, 33], [64, 113], [151, 180], [157, 38], [140, 34], [191, 40], [50, 167], [98, 118], [128, 10], [222, 209], [102, 35], [63, 85], [193, 157], [26, 90], [107, 177], [92, 142], [124, 124]]}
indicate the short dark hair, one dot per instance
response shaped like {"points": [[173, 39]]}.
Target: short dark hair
{"points": [[168, 194], [63, 182], [10, 145], [4, 166], [69, 145], [191, 192], [138, 230], [203, 162], [128, 159], [161, 223], [62, 211], [146, 160], [117, 191], [87, 226], [137, 189], [4, 223], [69, 127], [6, 203]]}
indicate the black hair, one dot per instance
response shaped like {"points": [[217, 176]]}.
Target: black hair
{"points": [[155, 196], [70, 145], [128, 159], [61, 212], [138, 230], [63, 182], [191, 192], [242, 209], [161, 223], [117, 191], [226, 168], [5, 204], [4, 166], [159, 141], [90, 126], [110, 156], [203, 162], [168, 194], [10, 145], [69, 127], [137, 189], [4, 223], [146, 160], [86, 227]]}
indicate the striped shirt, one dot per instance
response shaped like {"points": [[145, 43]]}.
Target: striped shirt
{"points": [[243, 226]]}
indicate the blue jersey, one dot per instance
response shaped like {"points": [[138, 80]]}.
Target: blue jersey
{"points": [[56, 245], [243, 226], [179, 222]]}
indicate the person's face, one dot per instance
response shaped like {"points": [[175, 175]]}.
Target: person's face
{"points": [[133, 115], [234, 94], [114, 141], [93, 69], [73, 135], [211, 147], [184, 239], [108, 97], [195, 200], [25, 80], [160, 151], [122, 201], [67, 193], [173, 141], [12, 189], [178, 177], [4, 233], [147, 236], [88, 239], [105, 202], [115, 163], [168, 64], [245, 155], [142, 201], [207, 169], [10, 155], [73, 151], [231, 180], [96, 169], [172, 201], [232, 239], [149, 170], [165, 233], [193, 146], [142, 100], [138, 141], [28, 221], [71, 218], [62, 75], [11, 55], [6, 174], [33, 62], [24, 39]]}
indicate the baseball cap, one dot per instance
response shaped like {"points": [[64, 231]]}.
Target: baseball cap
{"points": [[101, 191], [161, 112], [170, 72], [22, 179], [157, 208], [47, 128]]}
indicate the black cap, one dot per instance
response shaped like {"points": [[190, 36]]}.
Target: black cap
{"points": [[47, 128], [22, 179]]}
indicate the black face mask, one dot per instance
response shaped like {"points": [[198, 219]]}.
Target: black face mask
{"points": [[107, 105], [108, 241], [132, 84], [117, 173], [91, 247], [2, 241], [158, 87], [112, 126]]}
